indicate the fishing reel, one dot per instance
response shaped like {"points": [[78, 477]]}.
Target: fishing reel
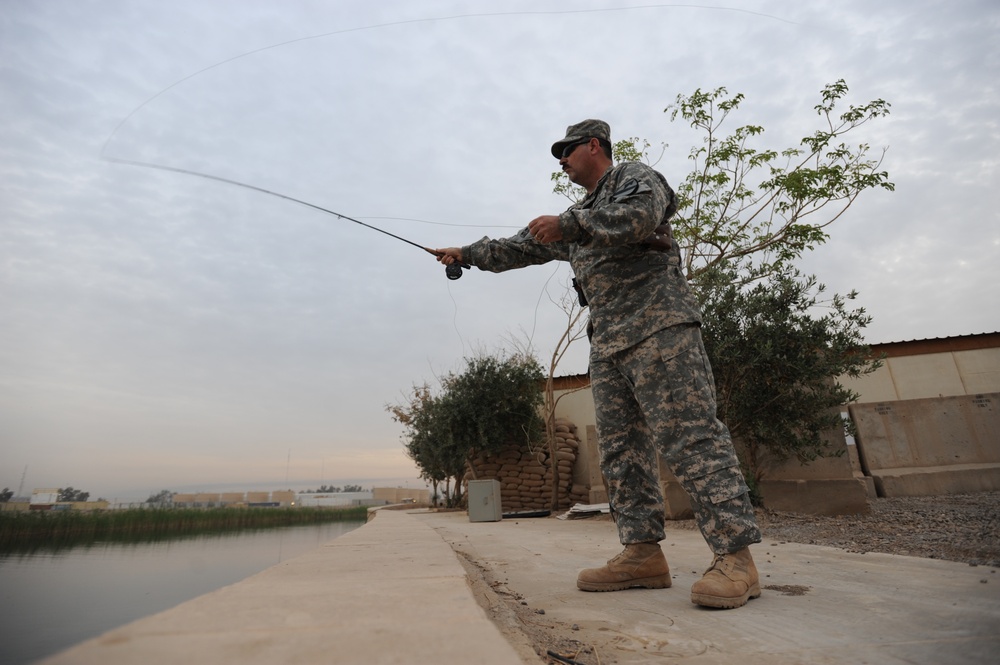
{"points": [[454, 270]]}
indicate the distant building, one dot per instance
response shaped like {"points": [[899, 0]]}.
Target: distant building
{"points": [[283, 497], [337, 499], [253, 499], [46, 496], [394, 495], [287, 498]]}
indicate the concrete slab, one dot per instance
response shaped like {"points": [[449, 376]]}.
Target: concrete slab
{"points": [[390, 592], [819, 605], [936, 480], [817, 496], [412, 586]]}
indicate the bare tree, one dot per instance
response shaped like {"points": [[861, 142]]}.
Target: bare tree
{"points": [[575, 329]]}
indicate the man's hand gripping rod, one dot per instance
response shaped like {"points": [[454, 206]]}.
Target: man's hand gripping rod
{"points": [[452, 270]]}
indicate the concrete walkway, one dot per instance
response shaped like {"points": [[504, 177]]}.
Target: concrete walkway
{"points": [[398, 591]]}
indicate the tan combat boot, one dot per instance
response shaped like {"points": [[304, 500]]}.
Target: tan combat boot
{"points": [[729, 582], [639, 565]]}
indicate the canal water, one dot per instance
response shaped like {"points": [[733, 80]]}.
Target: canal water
{"points": [[51, 601]]}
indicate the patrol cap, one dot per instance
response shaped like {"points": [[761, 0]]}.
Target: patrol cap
{"points": [[588, 129]]}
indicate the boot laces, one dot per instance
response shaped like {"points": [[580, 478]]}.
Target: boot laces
{"points": [[625, 554], [727, 564], [619, 557], [716, 563]]}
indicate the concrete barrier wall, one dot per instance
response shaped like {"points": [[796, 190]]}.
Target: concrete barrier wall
{"points": [[925, 369], [827, 486], [930, 446], [929, 432], [926, 445]]}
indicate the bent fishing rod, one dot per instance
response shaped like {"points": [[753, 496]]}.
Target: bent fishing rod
{"points": [[452, 271]]}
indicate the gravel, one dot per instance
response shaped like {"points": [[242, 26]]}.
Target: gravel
{"points": [[954, 527]]}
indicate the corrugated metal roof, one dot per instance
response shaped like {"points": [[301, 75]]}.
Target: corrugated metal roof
{"points": [[938, 339], [915, 347], [912, 347]]}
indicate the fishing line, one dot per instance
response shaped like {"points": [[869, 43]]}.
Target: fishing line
{"points": [[454, 17], [538, 302], [453, 271], [465, 226], [454, 320]]}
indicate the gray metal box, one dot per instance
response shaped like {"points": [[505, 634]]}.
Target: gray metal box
{"points": [[484, 501]]}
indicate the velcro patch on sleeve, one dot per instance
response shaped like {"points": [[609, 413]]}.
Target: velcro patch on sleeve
{"points": [[630, 187]]}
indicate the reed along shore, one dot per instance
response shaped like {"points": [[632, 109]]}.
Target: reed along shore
{"points": [[38, 529]]}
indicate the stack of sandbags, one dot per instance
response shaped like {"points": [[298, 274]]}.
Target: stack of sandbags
{"points": [[525, 473], [567, 450]]}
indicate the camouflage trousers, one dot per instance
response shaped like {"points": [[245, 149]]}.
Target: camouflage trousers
{"points": [[658, 399]]}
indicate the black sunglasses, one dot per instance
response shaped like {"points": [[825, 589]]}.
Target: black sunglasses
{"points": [[572, 146]]}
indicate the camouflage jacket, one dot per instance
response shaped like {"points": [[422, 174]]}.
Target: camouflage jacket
{"points": [[633, 291]]}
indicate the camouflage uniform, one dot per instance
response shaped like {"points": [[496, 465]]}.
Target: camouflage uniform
{"points": [[653, 387]]}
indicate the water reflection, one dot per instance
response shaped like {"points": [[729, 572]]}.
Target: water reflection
{"points": [[54, 599]]}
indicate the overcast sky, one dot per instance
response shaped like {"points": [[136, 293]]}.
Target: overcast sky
{"points": [[159, 330]]}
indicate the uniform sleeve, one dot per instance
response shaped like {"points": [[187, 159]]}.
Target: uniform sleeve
{"points": [[517, 251], [636, 206]]}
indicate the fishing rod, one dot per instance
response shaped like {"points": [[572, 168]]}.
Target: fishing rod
{"points": [[452, 271]]}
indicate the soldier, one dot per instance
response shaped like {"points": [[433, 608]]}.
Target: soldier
{"points": [[653, 388]]}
